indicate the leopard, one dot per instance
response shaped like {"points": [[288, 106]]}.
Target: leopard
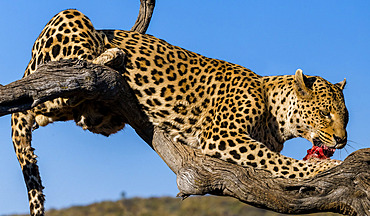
{"points": [[223, 109]]}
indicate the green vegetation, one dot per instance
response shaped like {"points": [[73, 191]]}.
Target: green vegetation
{"points": [[167, 206]]}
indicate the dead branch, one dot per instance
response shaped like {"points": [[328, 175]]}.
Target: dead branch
{"points": [[344, 189], [74, 79], [144, 17]]}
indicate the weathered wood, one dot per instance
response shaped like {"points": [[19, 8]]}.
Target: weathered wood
{"points": [[55, 78], [343, 189], [74, 79], [144, 17]]}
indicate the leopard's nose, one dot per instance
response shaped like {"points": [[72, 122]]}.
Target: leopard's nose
{"points": [[341, 141]]}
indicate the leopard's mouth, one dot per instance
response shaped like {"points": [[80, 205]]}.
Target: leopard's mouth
{"points": [[319, 150]]}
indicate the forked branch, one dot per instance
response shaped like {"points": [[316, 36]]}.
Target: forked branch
{"points": [[344, 189]]}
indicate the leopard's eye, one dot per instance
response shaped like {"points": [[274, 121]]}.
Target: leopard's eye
{"points": [[325, 114]]}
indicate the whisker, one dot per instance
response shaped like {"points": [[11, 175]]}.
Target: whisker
{"points": [[346, 150], [351, 146], [351, 141], [340, 153]]}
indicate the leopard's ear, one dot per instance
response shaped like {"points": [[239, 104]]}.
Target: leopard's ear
{"points": [[300, 85], [341, 85]]}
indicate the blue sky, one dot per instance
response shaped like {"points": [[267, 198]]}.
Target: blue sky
{"points": [[326, 38]]}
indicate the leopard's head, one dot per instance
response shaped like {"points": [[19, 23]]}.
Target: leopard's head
{"points": [[321, 110]]}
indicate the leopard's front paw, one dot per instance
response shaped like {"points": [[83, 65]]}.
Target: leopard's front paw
{"points": [[114, 58]]}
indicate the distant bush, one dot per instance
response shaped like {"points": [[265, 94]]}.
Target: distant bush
{"points": [[167, 206]]}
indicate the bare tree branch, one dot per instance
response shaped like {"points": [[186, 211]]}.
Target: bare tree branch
{"points": [[343, 189], [144, 17], [74, 79]]}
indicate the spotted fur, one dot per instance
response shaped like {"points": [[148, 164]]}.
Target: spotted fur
{"points": [[224, 109]]}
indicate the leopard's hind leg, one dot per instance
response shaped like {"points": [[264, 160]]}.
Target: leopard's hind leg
{"points": [[22, 124], [68, 35]]}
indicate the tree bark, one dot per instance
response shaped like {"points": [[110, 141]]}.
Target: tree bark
{"points": [[343, 189], [144, 17], [75, 79]]}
